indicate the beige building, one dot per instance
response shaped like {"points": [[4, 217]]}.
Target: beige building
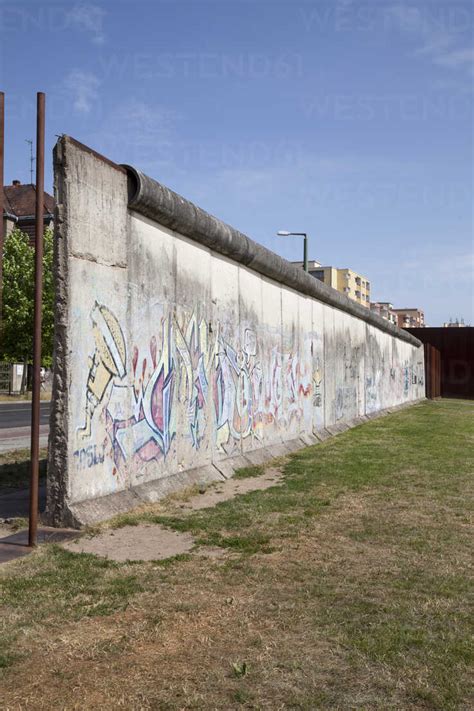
{"points": [[347, 281], [385, 310], [410, 318]]}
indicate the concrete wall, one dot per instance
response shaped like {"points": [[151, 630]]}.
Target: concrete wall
{"points": [[174, 361]]}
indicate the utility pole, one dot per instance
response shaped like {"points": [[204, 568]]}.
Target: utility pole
{"points": [[2, 158], [35, 404]]}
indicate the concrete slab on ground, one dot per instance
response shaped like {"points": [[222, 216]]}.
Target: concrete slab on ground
{"points": [[154, 542], [227, 467], [258, 457], [157, 489], [309, 439], [294, 445], [142, 542]]}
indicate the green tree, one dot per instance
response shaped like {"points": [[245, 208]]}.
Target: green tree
{"points": [[18, 299]]}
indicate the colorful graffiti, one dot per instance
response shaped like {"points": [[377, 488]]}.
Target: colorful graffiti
{"points": [[189, 370], [317, 384], [195, 356], [406, 380], [107, 362], [139, 415], [251, 395], [191, 380]]}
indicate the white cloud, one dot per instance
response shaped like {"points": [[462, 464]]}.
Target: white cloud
{"points": [[83, 86], [88, 19], [149, 121], [139, 133], [438, 41], [457, 58]]}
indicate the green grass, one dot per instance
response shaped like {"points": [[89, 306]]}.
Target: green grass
{"points": [[72, 585], [60, 586], [349, 586], [249, 472]]}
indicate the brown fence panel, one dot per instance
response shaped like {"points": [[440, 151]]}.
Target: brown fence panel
{"points": [[432, 371], [454, 360]]}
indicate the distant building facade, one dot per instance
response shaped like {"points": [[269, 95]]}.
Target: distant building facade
{"points": [[385, 310], [19, 207], [410, 318], [454, 324], [347, 281]]}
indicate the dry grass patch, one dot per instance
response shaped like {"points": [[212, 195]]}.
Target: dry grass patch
{"points": [[348, 588]]}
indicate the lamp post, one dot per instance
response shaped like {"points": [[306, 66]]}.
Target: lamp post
{"points": [[284, 233]]}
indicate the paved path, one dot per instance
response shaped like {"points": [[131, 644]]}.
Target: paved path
{"points": [[15, 419], [20, 438], [18, 414]]}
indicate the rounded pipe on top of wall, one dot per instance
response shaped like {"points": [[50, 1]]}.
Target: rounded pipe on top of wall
{"points": [[157, 202]]}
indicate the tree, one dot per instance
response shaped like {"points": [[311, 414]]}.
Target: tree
{"points": [[18, 299]]}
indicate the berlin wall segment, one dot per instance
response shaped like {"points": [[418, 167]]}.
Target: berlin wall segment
{"points": [[180, 343]]}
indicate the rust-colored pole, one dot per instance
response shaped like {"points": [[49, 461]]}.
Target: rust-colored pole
{"points": [[35, 404], [2, 160]]}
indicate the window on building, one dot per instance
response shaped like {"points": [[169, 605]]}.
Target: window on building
{"points": [[318, 274]]}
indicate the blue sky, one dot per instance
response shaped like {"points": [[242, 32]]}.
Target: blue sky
{"points": [[349, 120]]}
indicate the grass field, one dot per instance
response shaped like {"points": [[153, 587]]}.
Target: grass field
{"points": [[348, 587]]}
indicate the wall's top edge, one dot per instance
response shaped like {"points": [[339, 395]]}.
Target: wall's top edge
{"points": [[97, 155], [157, 202]]}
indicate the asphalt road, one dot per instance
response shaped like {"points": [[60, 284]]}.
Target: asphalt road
{"points": [[18, 414]]}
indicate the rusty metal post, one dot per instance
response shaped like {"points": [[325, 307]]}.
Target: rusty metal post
{"points": [[39, 232], [2, 160]]}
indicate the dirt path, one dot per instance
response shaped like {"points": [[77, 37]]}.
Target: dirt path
{"points": [[153, 542]]}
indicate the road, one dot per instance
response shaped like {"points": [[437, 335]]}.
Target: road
{"points": [[15, 425], [18, 414]]}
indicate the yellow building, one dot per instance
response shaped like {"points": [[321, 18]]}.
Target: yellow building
{"points": [[347, 281]]}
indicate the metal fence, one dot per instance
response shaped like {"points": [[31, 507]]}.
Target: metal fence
{"points": [[5, 377]]}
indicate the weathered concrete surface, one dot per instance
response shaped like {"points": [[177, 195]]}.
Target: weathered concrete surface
{"points": [[177, 351], [165, 207]]}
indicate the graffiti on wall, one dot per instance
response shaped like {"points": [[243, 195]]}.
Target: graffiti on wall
{"points": [[139, 414], [317, 383], [108, 361], [194, 381], [253, 394], [188, 369]]}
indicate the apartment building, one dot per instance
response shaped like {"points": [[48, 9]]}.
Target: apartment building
{"points": [[347, 281], [385, 310], [410, 318]]}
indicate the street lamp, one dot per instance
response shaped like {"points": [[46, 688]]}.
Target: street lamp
{"points": [[284, 233]]}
